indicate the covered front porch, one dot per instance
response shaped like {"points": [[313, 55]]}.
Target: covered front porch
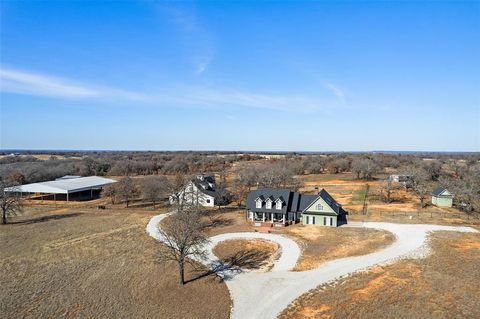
{"points": [[260, 218]]}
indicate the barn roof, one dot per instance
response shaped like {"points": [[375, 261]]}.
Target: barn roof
{"points": [[63, 186]]}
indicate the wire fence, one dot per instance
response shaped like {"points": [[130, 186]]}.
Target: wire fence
{"points": [[417, 214]]}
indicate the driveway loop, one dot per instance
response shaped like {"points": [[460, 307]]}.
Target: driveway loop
{"points": [[265, 295]]}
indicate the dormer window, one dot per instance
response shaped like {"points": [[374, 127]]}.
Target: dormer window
{"points": [[268, 203], [258, 203], [278, 204], [319, 207]]}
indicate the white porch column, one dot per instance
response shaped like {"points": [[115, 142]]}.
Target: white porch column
{"points": [[263, 217], [284, 218]]}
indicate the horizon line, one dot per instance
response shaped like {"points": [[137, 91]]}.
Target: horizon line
{"points": [[229, 151]]}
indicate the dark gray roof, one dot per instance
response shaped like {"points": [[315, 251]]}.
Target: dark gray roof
{"points": [[294, 201], [305, 201], [204, 187], [330, 201], [438, 191], [267, 193]]}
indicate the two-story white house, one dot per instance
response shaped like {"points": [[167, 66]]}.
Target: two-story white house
{"points": [[201, 190]]}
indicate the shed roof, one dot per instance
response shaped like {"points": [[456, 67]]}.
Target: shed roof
{"points": [[63, 186], [439, 191]]}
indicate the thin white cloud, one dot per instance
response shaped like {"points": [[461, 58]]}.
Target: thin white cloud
{"points": [[27, 83], [202, 64], [202, 67], [204, 97], [15, 81], [338, 92], [200, 40]]}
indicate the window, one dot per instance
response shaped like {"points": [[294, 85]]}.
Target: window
{"points": [[310, 220], [269, 204], [319, 207], [259, 203], [279, 204], [328, 221], [208, 201]]}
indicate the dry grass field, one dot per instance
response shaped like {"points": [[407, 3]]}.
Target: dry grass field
{"points": [[72, 260], [248, 254], [85, 263], [443, 285], [320, 244], [404, 209], [230, 221]]}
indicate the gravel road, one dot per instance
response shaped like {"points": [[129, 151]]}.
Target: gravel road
{"points": [[265, 295]]}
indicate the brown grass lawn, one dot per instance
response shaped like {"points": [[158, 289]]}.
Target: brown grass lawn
{"points": [[321, 244], [230, 221], [86, 263], [248, 254], [443, 285]]}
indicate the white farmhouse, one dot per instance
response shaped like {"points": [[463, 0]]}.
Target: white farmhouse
{"points": [[201, 190]]}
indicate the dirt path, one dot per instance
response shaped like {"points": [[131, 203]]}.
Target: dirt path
{"points": [[265, 295]]}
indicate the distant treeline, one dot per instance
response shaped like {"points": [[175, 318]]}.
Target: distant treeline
{"points": [[459, 172], [29, 169]]}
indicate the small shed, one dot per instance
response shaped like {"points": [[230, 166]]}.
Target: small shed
{"points": [[442, 197]]}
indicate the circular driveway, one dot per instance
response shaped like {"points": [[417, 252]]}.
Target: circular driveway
{"points": [[265, 295]]}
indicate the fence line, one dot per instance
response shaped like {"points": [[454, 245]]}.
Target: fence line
{"points": [[417, 214]]}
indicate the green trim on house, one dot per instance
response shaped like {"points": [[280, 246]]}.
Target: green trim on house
{"points": [[314, 207], [319, 219]]}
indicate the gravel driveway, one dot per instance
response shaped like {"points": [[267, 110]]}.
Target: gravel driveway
{"points": [[265, 295]]}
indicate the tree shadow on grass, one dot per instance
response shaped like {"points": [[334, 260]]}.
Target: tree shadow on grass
{"points": [[235, 264], [44, 219], [218, 221]]}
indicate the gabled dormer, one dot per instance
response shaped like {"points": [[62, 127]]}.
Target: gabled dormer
{"points": [[279, 203], [268, 202], [259, 202]]}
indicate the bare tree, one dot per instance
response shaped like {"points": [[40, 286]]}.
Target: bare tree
{"points": [[16, 178], [316, 165], [433, 169], [240, 191], [466, 188], [418, 183], [222, 196], [364, 167], [155, 188], [244, 181], [110, 191], [10, 202], [387, 189], [177, 190], [184, 238], [126, 189]]}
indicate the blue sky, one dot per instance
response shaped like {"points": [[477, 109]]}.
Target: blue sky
{"points": [[246, 75]]}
